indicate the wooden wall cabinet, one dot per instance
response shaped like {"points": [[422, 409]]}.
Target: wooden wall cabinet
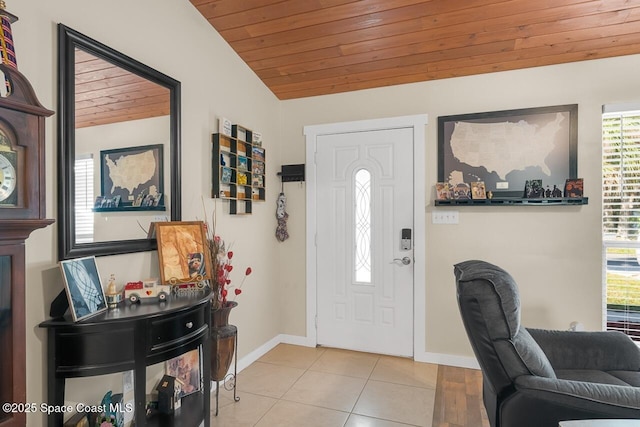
{"points": [[238, 169]]}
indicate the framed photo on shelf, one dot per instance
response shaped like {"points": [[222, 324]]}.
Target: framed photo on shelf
{"points": [[258, 153], [186, 369], [83, 287], [504, 149], [573, 188], [123, 170], [443, 191], [462, 191], [258, 167], [257, 181], [226, 175], [243, 164], [478, 190], [533, 189], [183, 252], [224, 126]]}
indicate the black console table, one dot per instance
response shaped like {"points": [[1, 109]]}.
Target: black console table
{"points": [[133, 337]]}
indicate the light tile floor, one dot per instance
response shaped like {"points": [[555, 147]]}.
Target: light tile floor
{"points": [[294, 386]]}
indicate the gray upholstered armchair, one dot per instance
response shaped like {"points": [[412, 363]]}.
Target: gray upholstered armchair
{"points": [[536, 378]]}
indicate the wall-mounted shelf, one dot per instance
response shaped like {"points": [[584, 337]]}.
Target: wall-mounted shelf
{"points": [[238, 169], [514, 201], [130, 209]]}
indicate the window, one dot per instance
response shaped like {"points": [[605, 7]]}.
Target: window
{"points": [[84, 198], [362, 226], [621, 218]]}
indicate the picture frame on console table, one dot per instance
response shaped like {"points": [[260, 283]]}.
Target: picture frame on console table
{"points": [[183, 252], [505, 149], [83, 287]]}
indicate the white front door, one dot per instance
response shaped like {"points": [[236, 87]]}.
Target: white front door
{"points": [[364, 205]]}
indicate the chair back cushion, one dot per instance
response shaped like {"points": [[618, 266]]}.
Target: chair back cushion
{"points": [[489, 304]]}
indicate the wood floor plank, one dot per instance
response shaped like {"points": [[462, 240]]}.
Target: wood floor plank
{"points": [[458, 401]]}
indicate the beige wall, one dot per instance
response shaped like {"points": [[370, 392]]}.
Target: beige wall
{"points": [[553, 252], [172, 37]]}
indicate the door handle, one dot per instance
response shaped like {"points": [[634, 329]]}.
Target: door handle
{"points": [[405, 261]]}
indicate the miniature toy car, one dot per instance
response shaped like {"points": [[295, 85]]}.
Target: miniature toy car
{"points": [[144, 289]]}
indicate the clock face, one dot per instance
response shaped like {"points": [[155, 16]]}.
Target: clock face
{"points": [[7, 179]]}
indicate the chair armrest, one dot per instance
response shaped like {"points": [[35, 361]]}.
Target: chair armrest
{"points": [[605, 351], [578, 393]]}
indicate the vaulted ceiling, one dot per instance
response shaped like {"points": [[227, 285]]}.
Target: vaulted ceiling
{"points": [[302, 48]]}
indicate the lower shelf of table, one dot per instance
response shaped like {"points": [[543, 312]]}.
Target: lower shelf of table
{"points": [[189, 415]]}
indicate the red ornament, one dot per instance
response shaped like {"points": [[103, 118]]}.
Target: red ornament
{"points": [[223, 293], [238, 291], [230, 254], [248, 272]]}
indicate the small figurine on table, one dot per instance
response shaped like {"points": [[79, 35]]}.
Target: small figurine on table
{"points": [[112, 294]]}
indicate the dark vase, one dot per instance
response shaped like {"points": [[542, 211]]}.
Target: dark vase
{"points": [[223, 341]]}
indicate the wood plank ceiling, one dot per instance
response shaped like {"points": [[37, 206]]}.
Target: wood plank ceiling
{"points": [[106, 93], [302, 48]]}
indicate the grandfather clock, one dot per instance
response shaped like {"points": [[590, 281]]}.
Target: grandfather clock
{"points": [[22, 210]]}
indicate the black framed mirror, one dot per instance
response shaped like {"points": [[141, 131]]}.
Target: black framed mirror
{"points": [[118, 149]]}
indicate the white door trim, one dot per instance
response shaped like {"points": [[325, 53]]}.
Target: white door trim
{"points": [[418, 123]]}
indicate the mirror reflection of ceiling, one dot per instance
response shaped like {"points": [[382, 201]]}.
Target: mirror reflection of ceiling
{"points": [[106, 93], [307, 48]]}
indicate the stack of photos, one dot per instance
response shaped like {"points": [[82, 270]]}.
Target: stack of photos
{"points": [[443, 191], [478, 190]]}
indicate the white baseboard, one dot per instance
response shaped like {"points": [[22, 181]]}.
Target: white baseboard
{"points": [[425, 357]]}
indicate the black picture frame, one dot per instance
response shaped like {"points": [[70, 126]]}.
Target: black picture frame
{"points": [[561, 160], [155, 181]]}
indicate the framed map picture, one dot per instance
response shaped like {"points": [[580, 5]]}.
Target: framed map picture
{"points": [[505, 149], [132, 174]]}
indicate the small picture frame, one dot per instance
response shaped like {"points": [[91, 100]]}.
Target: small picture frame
{"points": [[226, 175], [256, 139], [478, 190], [224, 126], [257, 181], [242, 164], [533, 189], [183, 252], [186, 369], [258, 167], [574, 188], [83, 287], [443, 191], [258, 154], [462, 191]]}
